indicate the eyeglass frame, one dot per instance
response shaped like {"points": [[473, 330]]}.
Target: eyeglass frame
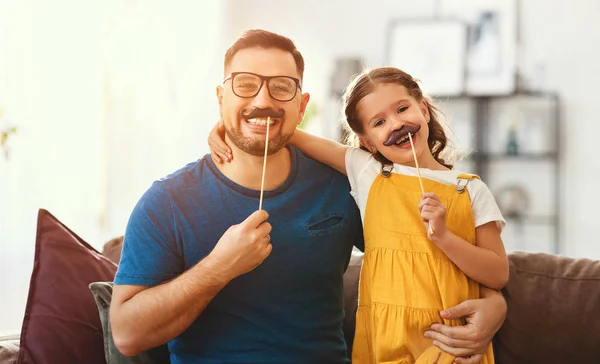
{"points": [[263, 80]]}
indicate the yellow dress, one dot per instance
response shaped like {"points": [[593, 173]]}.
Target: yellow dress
{"points": [[406, 279]]}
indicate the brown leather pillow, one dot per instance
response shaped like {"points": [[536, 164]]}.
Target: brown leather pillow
{"points": [[112, 249], [553, 311], [61, 322]]}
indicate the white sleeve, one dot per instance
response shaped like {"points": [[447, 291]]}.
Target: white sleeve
{"points": [[356, 161], [484, 205]]}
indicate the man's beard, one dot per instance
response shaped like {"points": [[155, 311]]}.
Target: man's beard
{"points": [[256, 146]]}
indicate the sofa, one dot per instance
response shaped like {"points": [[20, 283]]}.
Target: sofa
{"points": [[553, 305]]}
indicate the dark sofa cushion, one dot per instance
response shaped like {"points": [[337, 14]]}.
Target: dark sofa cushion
{"points": [[112, 249], [61, 323], [553, 311]]}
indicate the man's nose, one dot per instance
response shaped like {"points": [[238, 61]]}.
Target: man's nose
{"points": [[263, 100]]}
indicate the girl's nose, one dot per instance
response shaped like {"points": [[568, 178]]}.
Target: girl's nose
{"points": [[396, 123]]}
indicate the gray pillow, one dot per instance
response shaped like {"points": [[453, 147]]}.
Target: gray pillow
{"points": [[102, 294]]}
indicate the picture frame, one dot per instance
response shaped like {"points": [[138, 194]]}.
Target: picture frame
{"points": [[491, 60], [432, 51]]}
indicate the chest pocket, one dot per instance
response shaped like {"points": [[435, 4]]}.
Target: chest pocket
{"points": [[325, 224]]}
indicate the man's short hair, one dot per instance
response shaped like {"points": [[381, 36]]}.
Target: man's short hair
{"points": [[265, 39]]}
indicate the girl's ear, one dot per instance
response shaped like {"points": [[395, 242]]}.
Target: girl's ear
{"points": [[364, 142], [425, 110]]}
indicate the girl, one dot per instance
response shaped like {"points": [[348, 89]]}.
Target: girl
{"points": [[423, 252]]}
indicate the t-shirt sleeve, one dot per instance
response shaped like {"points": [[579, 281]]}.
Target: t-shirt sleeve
{"points": [[356, 161], [150, 254], [484, 205]]}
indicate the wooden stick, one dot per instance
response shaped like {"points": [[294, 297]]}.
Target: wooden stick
{"points": [[412, 146], [262, 183]]}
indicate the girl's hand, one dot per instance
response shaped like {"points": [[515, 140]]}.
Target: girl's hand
{"points": [[219, 150], [433, 213]]}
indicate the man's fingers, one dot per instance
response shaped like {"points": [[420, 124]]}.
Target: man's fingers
{"points": [[461, 310], [451, 342], [473, 359], [263, 229], [452, 350], [268, 250], [255, 219], [454, 332]]}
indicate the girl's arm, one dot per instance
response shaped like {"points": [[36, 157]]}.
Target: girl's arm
{"points": [[484, 262], [323, 150]]}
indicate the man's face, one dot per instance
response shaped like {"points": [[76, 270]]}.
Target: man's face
{"points": [[248, 133]]}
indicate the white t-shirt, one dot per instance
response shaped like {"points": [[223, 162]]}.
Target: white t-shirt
{"points": [[362, 169]]}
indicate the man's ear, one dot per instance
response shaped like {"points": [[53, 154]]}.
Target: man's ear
{"points": [[304, 99], [219, 92]]}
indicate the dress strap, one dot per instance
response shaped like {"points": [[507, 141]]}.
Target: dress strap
{"points": [[386, 170], [463, 180]]}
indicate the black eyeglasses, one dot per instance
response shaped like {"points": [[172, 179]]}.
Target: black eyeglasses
{"points": [[247, 85]]}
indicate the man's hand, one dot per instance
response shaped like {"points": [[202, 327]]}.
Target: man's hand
{"points": [[219, 150], [244, 246], [484, 318]]}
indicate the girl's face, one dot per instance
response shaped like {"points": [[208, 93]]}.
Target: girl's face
{"points": [[388, 108]]}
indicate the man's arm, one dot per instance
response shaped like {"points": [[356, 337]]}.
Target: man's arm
{"points": [[484, 318], [143, 317]]}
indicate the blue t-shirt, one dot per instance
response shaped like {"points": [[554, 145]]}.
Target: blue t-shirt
{"points": [[287, 310]]}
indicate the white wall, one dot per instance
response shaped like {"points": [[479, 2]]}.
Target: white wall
{"points": [[562, 37], [559, 46], [107, 97], [57, 107]]}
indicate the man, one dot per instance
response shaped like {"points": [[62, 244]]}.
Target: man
{"points": [[203, 270]]}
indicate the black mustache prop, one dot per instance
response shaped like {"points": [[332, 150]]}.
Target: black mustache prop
{"points": [[401, 133], [263, 113]]}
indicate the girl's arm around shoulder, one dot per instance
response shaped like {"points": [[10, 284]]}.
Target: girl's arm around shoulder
{"points": [[324, 150]]}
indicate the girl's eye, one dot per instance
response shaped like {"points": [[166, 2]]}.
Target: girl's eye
{"points": [[402, 109], [379, 122]]}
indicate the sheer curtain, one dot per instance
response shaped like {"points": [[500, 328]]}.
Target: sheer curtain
{"points": [[106, 97]]}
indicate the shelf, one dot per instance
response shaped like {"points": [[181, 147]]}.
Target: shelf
{"points": [[531, 94], [533, 219], [544, 156]]}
